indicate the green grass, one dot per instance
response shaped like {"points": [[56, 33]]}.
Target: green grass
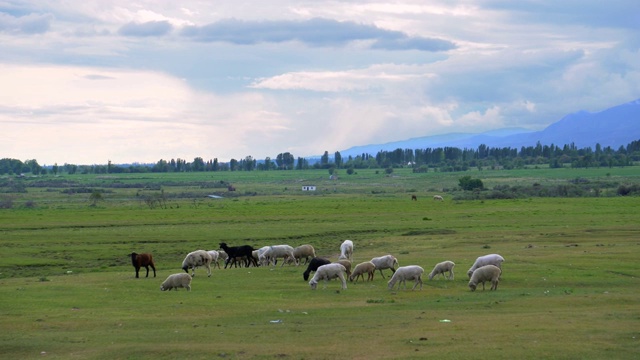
{"points": [[569, 288]]}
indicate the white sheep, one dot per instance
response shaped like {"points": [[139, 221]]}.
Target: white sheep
{"points": [[404, 273], [491, 259], [259, 254], [385, 262], [366, 267], [438, 198], [274, 252], [328, 272], [195, 259], [215, 256], [485, 273], [346, 250], [441, 269], [305, 251], [176, 281]]}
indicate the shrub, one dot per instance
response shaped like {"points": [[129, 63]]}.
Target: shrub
{"points": [[467, 183]]}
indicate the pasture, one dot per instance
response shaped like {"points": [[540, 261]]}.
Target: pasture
{"points": [[569, 287]]}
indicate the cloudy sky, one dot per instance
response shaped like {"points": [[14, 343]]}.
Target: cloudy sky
{"points": [[92, 81]]}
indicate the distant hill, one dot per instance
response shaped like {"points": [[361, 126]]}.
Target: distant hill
{"points": [[615, 127]]}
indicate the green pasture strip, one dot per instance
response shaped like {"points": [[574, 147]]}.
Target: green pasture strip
{"points": [[569, 287]]}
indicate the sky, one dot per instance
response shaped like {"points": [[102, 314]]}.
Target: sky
{"points": [[136, 81]]}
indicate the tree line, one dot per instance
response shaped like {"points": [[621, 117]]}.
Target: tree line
{"points": [[421, 160]]}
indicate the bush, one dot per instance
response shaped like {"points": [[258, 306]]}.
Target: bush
{"points": [[624, 190], [469, 184], [6, 202]]}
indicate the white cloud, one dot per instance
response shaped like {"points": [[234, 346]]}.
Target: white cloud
{"points": [[86, 92]]}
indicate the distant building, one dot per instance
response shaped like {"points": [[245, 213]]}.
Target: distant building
{"points": [[308, 188]]}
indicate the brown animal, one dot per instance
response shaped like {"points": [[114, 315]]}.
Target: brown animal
{"points": [[414, 198], [143, 260]]}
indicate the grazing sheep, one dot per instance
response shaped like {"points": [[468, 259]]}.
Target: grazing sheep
{"points": [[215, 256], [195, 259], [438, 198], [385, 262], [346, 250], [414, 198], [259, 254], [366, 267], [176, 281], [143, 260], [279, 251], [304, 251], [346, 264], [491, 259], [234, 252], [485, 273], [223, 255], [314, 264], [441, 269], [328, 272], [404, 273]]}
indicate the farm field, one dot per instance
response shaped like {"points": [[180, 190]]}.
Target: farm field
{"points": [[569, 289]]}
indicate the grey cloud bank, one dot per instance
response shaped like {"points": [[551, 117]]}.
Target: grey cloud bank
{"points": [[94, 81]]}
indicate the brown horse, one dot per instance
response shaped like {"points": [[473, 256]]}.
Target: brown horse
{"points": [[143, 260]]}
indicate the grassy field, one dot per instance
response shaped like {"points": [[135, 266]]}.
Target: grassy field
{"points": [[569, 288]]}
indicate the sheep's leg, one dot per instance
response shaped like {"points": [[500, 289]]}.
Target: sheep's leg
{"points": [[208, 269], [381, 273], [137, 272], [418, 281]]}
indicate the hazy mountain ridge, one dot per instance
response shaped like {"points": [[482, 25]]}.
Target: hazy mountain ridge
{"points": [[615, 127]]}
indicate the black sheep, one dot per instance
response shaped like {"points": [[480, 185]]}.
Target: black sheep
{"points": [[314, 264], [143, 260], [239, 252]]}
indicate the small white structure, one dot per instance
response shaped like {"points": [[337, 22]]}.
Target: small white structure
{"points": [[308, 188]]}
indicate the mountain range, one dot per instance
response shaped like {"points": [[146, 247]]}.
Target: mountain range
{"points": [[615, 127]]}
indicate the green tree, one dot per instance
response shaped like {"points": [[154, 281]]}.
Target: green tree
{"points": [[337, 159], [324, 160], [467, 183]]}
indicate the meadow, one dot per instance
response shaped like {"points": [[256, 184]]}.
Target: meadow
{"points": [[569, 288]]}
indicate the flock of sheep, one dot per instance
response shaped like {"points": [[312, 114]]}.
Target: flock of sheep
{"points": [[486, 268]]}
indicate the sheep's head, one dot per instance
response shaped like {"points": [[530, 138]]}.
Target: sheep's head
{"points": [[470, 272], [472, 286], [313, 284], [162, 288]]}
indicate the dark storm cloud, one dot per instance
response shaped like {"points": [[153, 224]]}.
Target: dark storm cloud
{"points": [[313, 32]]}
